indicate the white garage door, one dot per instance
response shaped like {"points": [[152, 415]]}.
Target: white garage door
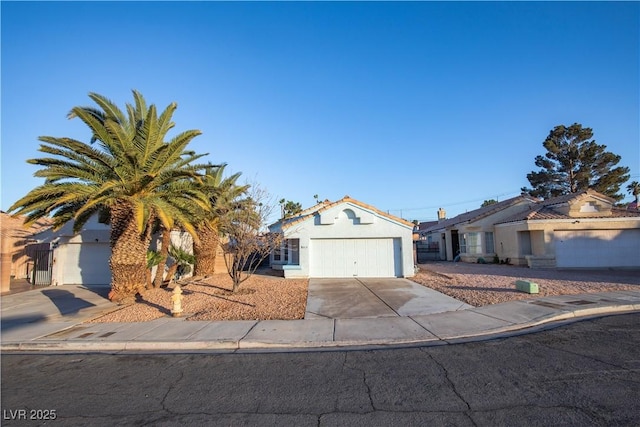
{"points": [[87, 264], [355, 258], [598, 248]]}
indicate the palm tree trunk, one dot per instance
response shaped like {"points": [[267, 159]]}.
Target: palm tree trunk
{"points": [[164, 250], [128, 260], [171, 272], [205, 250]]}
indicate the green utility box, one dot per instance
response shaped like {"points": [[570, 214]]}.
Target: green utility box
{"points": [[527, 286]]}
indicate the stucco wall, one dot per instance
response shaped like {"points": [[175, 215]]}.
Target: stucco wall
{"points": [[66, 254], [486, 224], [542, 235], [348, 221]]}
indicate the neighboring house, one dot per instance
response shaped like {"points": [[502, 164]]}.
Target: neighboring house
{"points": [[346, 238], [580, 230], [471, 235], [76, 258], [15, 238], [426, 247], [419, 231], [83, 258]]}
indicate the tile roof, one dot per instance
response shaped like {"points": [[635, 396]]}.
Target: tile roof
{"points": [[539, 210], [424, 225], [480, 213], [565, 198], [326, 205], [544, 210]]}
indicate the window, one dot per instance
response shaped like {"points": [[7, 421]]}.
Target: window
{"points": [[473, 244], [288, 252], [293, 251], [470, 243], [489, 248]]}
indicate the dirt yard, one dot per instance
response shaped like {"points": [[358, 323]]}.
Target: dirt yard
{"points": [[484, 284], [261, 297], [265, 297]]}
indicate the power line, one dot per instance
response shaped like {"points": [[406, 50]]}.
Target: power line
{"points": [[456, 203]]}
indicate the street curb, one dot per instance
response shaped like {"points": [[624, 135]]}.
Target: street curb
{"points": [[232, 346]]}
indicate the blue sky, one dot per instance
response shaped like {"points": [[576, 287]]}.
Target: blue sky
{"points": [[405, 106]]}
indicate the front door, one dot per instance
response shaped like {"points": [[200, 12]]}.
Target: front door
{"points": [[455, 243]]}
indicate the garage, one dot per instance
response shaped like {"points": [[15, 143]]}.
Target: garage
{"points": [[86, 263], [597, 248], [343, 239], [355, 258]]}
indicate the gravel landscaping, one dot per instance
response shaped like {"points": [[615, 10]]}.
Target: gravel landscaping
{"points": [[484, 284], [265, 297], [261, 297]]}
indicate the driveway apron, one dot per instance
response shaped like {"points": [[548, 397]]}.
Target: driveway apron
{"points": [[350, 298]]}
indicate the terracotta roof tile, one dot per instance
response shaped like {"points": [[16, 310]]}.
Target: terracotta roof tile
{"points": [[480, 213], [326, 205]]}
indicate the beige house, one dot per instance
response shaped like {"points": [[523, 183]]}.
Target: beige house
{"points": [[580, 230], [470, 235]]}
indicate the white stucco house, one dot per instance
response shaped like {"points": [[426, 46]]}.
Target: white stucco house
{"points": [[346, 238], [83, 258], [78, 258]]}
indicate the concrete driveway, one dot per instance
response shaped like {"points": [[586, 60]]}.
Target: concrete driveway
{"points": [[370, 298]]}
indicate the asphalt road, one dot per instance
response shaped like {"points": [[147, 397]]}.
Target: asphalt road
{"points": [[583, 374]]}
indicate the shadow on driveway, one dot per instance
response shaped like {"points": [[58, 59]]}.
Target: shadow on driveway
{"points": [[12, 322], [66, 302]]}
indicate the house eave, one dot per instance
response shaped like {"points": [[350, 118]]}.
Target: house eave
{"points": [[568, 221]]}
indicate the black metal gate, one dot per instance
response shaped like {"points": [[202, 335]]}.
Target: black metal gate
{"points": [[427, 251], [42, 266]]}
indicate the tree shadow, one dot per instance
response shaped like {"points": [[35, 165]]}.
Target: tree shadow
{"points": [[16, 321], [475, 288], [223, 298], [140, 300], [66, 302], [626, 276]]}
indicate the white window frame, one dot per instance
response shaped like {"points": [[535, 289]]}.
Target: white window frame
{"points": [[288, 253]]}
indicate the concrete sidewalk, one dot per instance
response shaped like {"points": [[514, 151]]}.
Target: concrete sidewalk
{"points": [[53, 319]]}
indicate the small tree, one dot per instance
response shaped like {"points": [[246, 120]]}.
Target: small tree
{"points": [[289, 208], [154, 259], [489, 202], [248, 242], [183, 261]]}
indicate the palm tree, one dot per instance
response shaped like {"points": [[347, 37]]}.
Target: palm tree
{"points": [[126, 172], [165, 236], [154, 258], [224, 196]]}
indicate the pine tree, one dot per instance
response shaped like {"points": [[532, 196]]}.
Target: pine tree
{"points": [[574, 162]]}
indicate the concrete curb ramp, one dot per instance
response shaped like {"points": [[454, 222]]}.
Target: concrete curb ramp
{"points": [[167, 335]]}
